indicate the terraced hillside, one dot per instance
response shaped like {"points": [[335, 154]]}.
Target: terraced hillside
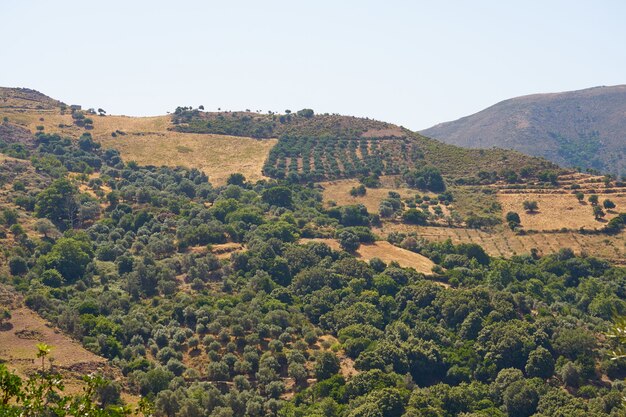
{"points": [[314, 147], [564, 217]]}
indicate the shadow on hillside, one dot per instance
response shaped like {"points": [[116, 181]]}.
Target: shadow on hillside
{"points": [[5, 327]]}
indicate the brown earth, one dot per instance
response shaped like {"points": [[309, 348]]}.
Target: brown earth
{"points": [[18, 349]]}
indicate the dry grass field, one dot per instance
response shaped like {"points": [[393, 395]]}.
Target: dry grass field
{"points": [[559, 210], [387, 253], [216, 155], [147, 141], [339, 192]]}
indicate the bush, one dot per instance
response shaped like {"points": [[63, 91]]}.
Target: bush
{"points": [[608, 204], [414, 216], [349, 241], [10, 216], [358, 191], [17, 265], [530, 206]]}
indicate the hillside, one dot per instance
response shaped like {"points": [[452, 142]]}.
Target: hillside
{"points": [[203, 293], [307, 145], [585, 128], [329, 146], [25, 99]]}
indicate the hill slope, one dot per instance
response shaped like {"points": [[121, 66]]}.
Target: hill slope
{"points": [[585, 128], [268, 299], [312, 146], [330, 146]]}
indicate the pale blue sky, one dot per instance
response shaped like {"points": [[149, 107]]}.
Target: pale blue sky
{"points": [[414, 63]]}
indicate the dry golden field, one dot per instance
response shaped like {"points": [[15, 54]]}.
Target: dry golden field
{"points": [[559, 210], [387, 253], [147, 141], [339, 192], [216, 155]]}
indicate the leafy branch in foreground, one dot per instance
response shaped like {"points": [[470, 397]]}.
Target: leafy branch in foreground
{"points": [[42, 395], [618, 334]]}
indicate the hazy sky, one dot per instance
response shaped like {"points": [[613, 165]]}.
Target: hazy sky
{"points": [[412, 63]]}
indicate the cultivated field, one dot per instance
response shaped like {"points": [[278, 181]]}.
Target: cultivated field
{"points": [[338, 191], [506, 243]]}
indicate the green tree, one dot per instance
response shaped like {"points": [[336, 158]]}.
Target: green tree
{"points": [[349, 241], [598, 212], [236, 179], [593, 199], [52, 278], [58, 203], [17, 265], [414, 216], [579, 196], [540, 363], [530, 206], [306, 113], [513, 220], [70, 257], [520, 399], [278, 196], [608, 204], [326, 365], [46, 228], [426, 178], [10, 216], [5, 317]]}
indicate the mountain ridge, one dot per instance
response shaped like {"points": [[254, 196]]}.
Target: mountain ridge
{"points": [[584, 128]]}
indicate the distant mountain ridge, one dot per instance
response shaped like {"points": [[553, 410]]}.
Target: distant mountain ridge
{"points": [[583, 128]]}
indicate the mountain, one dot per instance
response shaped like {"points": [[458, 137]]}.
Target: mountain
{"points": [[585, 128]]}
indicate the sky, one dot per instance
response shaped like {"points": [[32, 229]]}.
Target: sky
{"points": [[413, 63]]}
